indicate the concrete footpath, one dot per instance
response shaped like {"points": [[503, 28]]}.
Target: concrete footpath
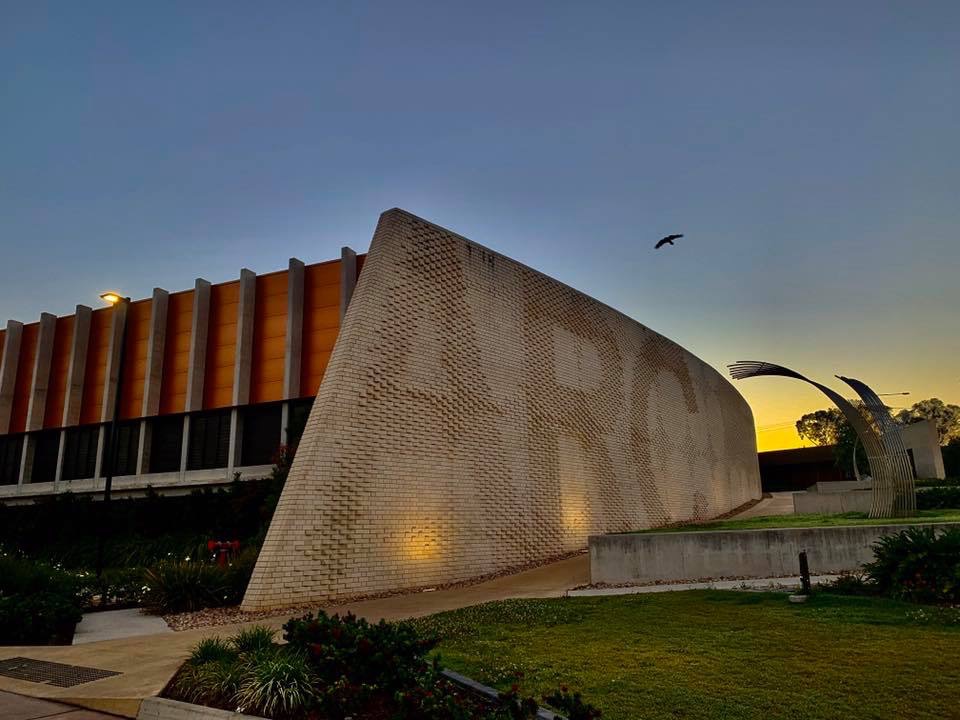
{"points": [[18, 707], [114, 624]]}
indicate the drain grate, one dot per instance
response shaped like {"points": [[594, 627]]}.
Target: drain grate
{"points": [[42, 671]]}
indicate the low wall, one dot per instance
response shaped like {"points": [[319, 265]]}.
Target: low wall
{"points": [[831, 503], [840, 486], [156, 708], [640, 558]]}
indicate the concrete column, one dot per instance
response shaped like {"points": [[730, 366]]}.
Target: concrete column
{"points": [[40, 383], [293, 353], [348, 279], [111, 380], [8, 372], [156, 342], [197, 363], [26, 461], [76, 371], [243, 362], [78, 366]]}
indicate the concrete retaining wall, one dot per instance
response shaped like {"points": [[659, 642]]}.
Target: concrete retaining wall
{"points": [[831, 503], [653, 557], [156, 708]]}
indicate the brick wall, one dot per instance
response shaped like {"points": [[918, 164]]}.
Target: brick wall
{"points": [[477, 415]]}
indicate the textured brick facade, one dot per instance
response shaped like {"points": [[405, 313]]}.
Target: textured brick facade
{"points": [[477, 415]]}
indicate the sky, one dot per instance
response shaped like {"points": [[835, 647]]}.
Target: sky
{"points": [[808, 151]]}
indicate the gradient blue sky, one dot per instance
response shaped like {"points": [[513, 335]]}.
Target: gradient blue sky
{"points": [[809, 151]]}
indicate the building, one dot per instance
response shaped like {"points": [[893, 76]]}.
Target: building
{"points": [[801, 468], [212, 378], [478, 416], [472, 415]]}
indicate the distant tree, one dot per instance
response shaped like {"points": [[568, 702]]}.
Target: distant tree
{"points": [[822, 427], [945, 417], [830, 427]]}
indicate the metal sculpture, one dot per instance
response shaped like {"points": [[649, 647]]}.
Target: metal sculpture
{"points": [[893, 493]]}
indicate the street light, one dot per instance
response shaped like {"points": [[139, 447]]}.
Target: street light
{"points": [[120, 304]]}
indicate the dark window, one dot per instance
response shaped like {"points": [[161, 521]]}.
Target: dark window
{"points": [[80, 452], [209, 440], [128, 444], [166, 443], [11, 448], [261, 434], [297, 419], [45, 450]]}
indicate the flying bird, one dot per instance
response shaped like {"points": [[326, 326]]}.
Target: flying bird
{"points": [[668, 239]]}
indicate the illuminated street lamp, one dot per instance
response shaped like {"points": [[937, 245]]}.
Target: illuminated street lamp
{"points": [[119, 303]]}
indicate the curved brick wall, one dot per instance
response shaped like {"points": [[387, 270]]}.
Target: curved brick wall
{"points": [[477, 415]]}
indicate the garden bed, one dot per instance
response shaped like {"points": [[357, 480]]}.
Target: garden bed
{"points": [[332, 668]]}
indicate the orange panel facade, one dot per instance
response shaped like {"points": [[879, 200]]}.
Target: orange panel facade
{"points": [[176, 353], [135, 360], [269, 338], [321, 322], [93, 379], [21, 389], [221, 345], [59, 367]]}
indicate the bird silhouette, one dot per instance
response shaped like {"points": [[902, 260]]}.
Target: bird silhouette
{"points": [[667, 240]]}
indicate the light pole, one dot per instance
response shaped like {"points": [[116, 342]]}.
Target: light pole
{"points": [[120, 305]]}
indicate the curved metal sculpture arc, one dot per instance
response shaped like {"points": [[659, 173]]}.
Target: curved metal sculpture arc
{"points": [[902, 487], [882, 495]]}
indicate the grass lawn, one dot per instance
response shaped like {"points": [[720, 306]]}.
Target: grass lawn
{"points": [[766, 522], [715, 654]]}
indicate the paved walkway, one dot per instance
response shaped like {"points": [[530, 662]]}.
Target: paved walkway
{"points": [[18, 707], [113, 624], [778, 503]]}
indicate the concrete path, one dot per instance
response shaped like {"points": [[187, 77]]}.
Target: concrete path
{"points": [[779, 503], [18, 707], [147, 662], [113, 624]]}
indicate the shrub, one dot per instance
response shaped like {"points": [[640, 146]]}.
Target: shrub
{"points": [[189, 585], [939, 498], [937, 482], [38, 604], [572, 705], [920, 564], [390, 656], [40, 618], [277, 682], [185, 586], [212, 650], [214, 682], [853, 584], [254, 639]]}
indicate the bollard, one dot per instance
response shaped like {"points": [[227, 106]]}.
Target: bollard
{"points": [[804, 573]]}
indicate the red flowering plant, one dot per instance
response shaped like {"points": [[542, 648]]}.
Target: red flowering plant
{"points": [[357, 662]]}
